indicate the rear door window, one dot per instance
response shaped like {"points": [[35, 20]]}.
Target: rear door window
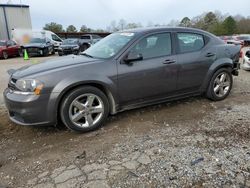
{"points": [[190, 42]]}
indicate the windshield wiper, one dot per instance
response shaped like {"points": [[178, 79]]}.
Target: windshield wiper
{"points": [[87, 55]]}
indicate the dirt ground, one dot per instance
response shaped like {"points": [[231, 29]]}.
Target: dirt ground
{"points": [[187, 143]]}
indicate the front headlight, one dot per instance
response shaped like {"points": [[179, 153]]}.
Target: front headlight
{"points": [[29, 86]]}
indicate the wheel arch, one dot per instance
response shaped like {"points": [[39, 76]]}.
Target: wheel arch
{"points": [[221, 63], [100, 86]]}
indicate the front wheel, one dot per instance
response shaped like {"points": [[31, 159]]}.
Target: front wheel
{"points": [[84, 109], [220, 85]]}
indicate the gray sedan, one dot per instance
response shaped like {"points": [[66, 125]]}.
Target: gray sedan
{"points": [[125, 70]]}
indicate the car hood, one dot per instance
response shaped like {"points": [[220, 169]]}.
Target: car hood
{"points": [[60, 62], [38, 45], [2, 47]]}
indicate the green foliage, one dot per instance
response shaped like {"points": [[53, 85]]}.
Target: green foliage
{"points": [[230, 25], [54, 27], [85, 29], [71, 29], [185, 22]]}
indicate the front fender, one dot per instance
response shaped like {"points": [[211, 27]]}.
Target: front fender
{"points": [[219, 63], [73, 81]]}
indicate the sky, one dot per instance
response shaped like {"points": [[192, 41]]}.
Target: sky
{"points": [[98, 14]]}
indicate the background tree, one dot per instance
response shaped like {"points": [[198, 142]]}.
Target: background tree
{"points": [[230, 25], [243, 26], [185, 22], [85, 29], [71, 29], [54, 27]]}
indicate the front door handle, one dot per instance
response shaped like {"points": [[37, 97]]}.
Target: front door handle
{"points": [[169, 61], [210, 54]]}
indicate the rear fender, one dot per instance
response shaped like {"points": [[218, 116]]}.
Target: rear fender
{"points": [[219, 63]]}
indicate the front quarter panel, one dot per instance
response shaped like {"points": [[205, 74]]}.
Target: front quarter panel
{"points": [[61, 81]]}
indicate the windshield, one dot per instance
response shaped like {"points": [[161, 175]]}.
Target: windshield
{"points": [[37, 40], [2, 43], [109, 46], [70, 41]]}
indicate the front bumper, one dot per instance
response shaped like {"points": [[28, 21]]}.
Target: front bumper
{"points": [[29, 109], [246, 66], [68, 51], [34, 51]]}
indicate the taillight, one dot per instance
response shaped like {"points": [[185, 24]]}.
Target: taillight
{"points": [[241, 53]]}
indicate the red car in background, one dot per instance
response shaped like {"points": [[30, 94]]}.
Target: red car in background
{"points": [[8, 48]]}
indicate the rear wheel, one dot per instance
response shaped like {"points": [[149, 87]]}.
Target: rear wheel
{"points": [[84, 109], [220, 85], [5, 55]]}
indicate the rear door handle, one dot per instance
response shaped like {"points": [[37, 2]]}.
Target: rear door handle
{"points": [[169, 61], [210, 54]]}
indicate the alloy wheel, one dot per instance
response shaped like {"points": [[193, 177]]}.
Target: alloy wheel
{"points": [[86, 110], [222, 84]]}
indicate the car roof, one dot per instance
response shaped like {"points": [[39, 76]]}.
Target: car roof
{"points": [[159, 29]]}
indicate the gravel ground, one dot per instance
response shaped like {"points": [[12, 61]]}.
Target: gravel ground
{"points": [[187, 143]]}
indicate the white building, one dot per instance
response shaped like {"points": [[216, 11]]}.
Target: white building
{"points": [[13, 16]]}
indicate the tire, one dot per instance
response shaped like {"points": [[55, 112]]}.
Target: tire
{"points": [[220, 86], [5, 55], [53, 51], [79, 104], [84, 47], [45, 52], [60, 54]]}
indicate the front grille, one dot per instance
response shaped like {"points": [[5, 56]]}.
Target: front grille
{"points": [[33, 50]]}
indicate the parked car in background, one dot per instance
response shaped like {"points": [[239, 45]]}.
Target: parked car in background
{"points": [[9, 48], [39, 47], [88, 40], [70, 46], [244, 39], [246, 59], [230, 40], [23, 36], [125, 70]]}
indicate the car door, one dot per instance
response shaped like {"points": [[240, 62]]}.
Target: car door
{"points": [[15, 48], [10, 48], [154, 76], [194, 59]]}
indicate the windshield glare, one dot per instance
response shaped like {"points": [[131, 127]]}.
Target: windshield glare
{"points": [[70, 41], [37, 40], [110, 45]]}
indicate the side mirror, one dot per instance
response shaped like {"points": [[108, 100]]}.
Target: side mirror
{"points": [[133, 56]]}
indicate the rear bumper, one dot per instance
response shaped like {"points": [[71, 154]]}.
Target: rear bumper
{"points": [[246, 66]]}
